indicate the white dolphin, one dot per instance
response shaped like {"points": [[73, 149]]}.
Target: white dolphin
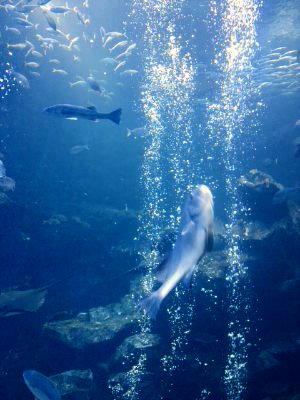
{"points": [[194, 239]]}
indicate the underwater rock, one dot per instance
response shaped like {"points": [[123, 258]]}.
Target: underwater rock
{"points": [[55, 219], [266, 360], [94, 326], [272, 356], [73, 381], [260, 182], [276, 387], [134, 343], [259, 189], [291, 286], [215, 264], [123, 385]]}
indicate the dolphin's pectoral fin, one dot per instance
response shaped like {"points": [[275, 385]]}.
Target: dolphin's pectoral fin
{"points": [[209, 238], [187, 280], [151, 304], [187, 228]]}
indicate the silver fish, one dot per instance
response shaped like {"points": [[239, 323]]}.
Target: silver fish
{"points": [[24, 22], [32, 64], [59, 9], [21, 79], [51, 21], [194, 239], [136, 132], [73, 112], [94, 85], [60, 72], [79, 149], [13, 30]]}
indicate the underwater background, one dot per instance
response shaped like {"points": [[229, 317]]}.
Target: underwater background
{"points": [[88, 210]]}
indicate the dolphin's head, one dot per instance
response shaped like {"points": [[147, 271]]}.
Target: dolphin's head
{"points": [[200, 203]]}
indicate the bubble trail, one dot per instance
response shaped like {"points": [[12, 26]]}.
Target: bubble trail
{"points": [[7, 80], [166, 172], [230, 120]]}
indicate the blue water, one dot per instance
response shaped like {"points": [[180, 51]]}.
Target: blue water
{"points": [[95, 225]]}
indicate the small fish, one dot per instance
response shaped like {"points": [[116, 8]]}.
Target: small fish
{"points": [[115, 35], [51, 21], [54, 61], [265, 84], [79, 149], [15, 31], [59, 9], [73, 41], [65, 47], [290, 52], [194, 239], [79, 83], [136, 132], [120, 65], [94, 85], [279, 49], [109, 60], [17, 46], [82, 18], [72, 112], [131, 47], [40, 386], [129, 72], [21, 79], [35, 53], [32, 64], [24, 22], [118, 46], [103, 34], [109, 36], [123, 55], [35, 74], [60, 72]]}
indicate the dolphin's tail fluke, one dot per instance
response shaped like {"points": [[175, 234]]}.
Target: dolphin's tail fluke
{"points": [[151, 304], [115, 116]]}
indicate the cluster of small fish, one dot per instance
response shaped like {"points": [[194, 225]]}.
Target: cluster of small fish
{"points": [[23, 16], [279, 71], [118, 42], [6, 183]]}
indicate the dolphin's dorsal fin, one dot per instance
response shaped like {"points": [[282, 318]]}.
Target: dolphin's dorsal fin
{"points": [[92, 108], [209, 238]]}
